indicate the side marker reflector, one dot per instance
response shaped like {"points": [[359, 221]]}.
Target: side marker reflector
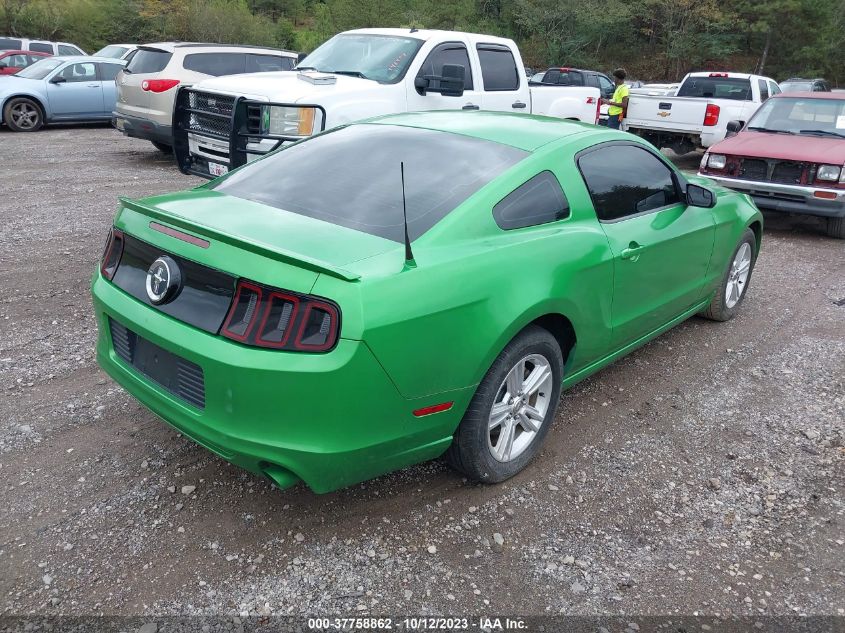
{"points": [[436, 408]]}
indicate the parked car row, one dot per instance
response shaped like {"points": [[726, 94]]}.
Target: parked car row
{"points": [[39, 46]]}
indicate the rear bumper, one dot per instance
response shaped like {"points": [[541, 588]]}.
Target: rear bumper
{"points": [[787, 198], [137, 127], [329, 420], [669, 137]]}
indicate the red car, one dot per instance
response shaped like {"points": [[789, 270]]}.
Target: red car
{"points": [[13, 61], [789, 157]]}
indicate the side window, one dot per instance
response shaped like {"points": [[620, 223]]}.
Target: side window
{"points": [[266, 63], [216, 64], [551, 76], [764, 89], [626, 180], [83, 71], [41, 47], [774, 89], [16, 61], [109, 71], [538, 201], [606, 87], [9, 44], [64, 49], [449, 53], [498, 68], [591, 80]]}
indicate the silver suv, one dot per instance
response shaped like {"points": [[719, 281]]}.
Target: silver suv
{"points": [[146, 88]]}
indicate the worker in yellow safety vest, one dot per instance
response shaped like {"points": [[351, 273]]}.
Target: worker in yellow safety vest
{"points": [[619, 102]]}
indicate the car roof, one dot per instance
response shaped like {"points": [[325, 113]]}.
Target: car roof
{"points": [[5, 52], [427, 34], [87, 58], [805, 94], [523, 131], [171, 47]]}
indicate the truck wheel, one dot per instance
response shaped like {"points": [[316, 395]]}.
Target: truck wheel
{"points": [[23, 115], [512, 410], [836, 228], [735, 281]]}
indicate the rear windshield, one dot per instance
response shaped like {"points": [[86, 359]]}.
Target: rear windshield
{"points": [[149, 60], [115, 52], [351, 177], [716, 88], [796, 86], [563, 77], [7, 44]]}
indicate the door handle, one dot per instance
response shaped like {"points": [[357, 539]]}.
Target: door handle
{"points": [[518, 105], [470, 106], [632, 252], [93, 85]]}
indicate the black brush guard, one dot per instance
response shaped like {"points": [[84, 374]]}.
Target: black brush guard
{"points": [[241, 126]]}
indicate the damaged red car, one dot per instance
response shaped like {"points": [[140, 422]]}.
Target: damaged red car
{"points": [[789, 157]]}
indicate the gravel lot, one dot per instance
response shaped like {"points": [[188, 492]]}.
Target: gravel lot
{"points": [[701, 474]]}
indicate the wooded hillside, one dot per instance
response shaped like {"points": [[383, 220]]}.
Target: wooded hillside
{"points": [[654, 39]]}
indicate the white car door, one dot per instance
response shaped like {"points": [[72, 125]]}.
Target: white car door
{"points": [[445, 53]]}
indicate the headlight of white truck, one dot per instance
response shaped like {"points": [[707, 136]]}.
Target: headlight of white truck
{"points": [[828, 172], [288, 120], [717, 161]]}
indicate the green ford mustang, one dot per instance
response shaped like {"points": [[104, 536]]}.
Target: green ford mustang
{"points": [[393, 290]]}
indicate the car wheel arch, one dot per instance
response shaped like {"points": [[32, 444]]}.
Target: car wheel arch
{"points": [[33, 98], [556, 323], [757, 227]]}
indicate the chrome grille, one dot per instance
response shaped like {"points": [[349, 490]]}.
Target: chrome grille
{"points": [[751, 169], [787, 172]]}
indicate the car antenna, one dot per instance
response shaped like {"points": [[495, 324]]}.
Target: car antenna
{"points": [[409, 255]]}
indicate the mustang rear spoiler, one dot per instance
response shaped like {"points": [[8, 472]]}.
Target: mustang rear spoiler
{"points": [[265, 250]]}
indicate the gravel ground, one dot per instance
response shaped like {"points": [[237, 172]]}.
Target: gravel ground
{"points": [[701, 474]]}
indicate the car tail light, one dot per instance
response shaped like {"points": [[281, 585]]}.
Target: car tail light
{"points": [[158, 85], [718, 75], [278, 319], [112, 253], [711, 114]]}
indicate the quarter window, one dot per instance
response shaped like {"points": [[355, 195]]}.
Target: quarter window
{"points": [[498, 68], [41, 47], [538, 201], [109, 71], [774, 88], [764, 89], [449, 53], [625, 180]]}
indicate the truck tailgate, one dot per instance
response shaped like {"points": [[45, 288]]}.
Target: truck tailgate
{"points": [[680, 114]]}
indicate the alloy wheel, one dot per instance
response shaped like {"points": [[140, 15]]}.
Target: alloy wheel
{"points": [[738, 275], [24, 115], [520, 407]]}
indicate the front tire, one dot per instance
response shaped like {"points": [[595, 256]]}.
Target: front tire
{"points": [[162, 147], [23, 115], [836, 228], [512, 409], [734, 285]]}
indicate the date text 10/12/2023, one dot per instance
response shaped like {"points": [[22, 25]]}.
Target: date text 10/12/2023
{"points": [[483, 623]]}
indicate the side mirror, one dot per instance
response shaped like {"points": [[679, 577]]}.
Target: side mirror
{"points": [[449, 84], [58, 79], [698, 196], [733, 128]]}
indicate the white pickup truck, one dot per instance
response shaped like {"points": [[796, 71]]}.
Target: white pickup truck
{"points": [[699, 113], [222, 123]]}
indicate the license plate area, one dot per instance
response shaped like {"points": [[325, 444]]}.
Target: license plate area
{"points": [[175, 374], [216, 169]]}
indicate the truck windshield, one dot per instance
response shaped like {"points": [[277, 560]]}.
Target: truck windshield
{"points": [[735, 88], [382, 58], [351, 177], [806, 116]]}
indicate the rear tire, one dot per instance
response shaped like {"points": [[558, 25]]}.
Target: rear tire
{"points": [[23, 115], [502, 431], [734, 284], [836, 228], [165, 149]]}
